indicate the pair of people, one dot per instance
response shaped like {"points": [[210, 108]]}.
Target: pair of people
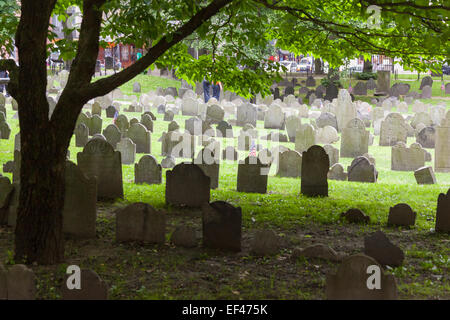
{"points": [[215, 90]]}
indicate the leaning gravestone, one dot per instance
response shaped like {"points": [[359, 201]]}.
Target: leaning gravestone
{"points": [[425, 175], [442, 143], [289, 164], [337, 172], [147, 170], [379, 247], [361, 170], [187, 185], [127, 150], [79, 213], [350, 282], [222, 225], [401, 215], [141, 137], [252, 176], [443, 213], [315, 166], [140, 222], [92, 287], [99, 159], [355, 139]]}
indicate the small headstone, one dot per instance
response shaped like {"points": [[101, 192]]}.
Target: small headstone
{"points": [[401, 215], [337, 173], [443, 213], [379, 247], [265, 242], [425, 175], [92, 287], [21, 283], [184, 236], [361, 170], [355, 216], [252, 176]]}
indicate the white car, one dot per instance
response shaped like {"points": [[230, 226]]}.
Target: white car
{"points": [[304, 65]]}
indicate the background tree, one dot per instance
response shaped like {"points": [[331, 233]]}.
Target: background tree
{"points": [[332, 29]]}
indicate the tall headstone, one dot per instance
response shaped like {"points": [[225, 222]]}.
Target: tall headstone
{"points": [[315, 166], [147, 170], [442, 146]]}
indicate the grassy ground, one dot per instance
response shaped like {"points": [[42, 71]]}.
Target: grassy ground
{"points": [[136, 271]]}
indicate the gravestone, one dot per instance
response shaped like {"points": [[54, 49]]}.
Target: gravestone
{"points": [[184, 236], [252, 175], [331, 92], [96, 109], [305, 137], [122, 123], [350, 281], [289, 164], [383, 82], [401, 215], [141, 137], [6, 190], [360, 89], [265, 242], [147, 122], [81, 135], [187, 185], [425, 175], [140, 222], [371, 84], [426, 81], [443, 213], [426, 137], [293, 123], [345, 109], [127, 150], [80, 199], [168, 115], [224, 130], [5, 130], [442, 143], [99, 159], [326, 119], [310, 81], [333, 154], [392, 130], [327, 135], [95, 125], [221, 225], [214, 113], [274, 118], [361, 170], [189, 107], [379, 247], [209, 161], [315, 166], [246, 114], [92, 287], [407, 159], [168, 162], [111, 111], [355, 139], [137, 87], [337, 172], [147, 170], [21, 283], [112, 135]]}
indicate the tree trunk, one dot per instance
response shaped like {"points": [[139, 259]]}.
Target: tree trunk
{"points": [[39, 222], [367, 67]]}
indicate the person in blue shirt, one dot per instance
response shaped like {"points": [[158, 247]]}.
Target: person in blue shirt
{"points": [[215, 87]]}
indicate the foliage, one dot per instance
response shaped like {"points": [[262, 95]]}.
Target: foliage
{"points": [[366, 75], [8, 25]]}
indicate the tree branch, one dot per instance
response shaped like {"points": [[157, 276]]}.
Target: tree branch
{"points": [[105, 85]]}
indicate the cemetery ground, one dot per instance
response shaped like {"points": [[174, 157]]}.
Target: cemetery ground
{"points": [[137, 271]]}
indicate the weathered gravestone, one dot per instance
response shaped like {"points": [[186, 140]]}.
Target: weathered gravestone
{"points": [[293, 123], [345, 109], [289, 164], [221, 225], [209, 161], [184, 236], [147, 170], [383, 82], [443, 213], [147, 122], [442, 143], [393, 129], [337, 172], [99, 159], [360, 89], [401, 215], [189, 107], [6, 190], [81, 135], [305, 137], [187, 185], [331, 92], [355, 139], [79, 212], [92, 287], [127, 150], [246, 114], [224, 130], [96, 109], [5, 130], [265, 242], [21, 283], [140, 222], [141, 137], [379, 247], [111, 111], [122, 123], [274, 118], [426, 137], [407, 159], [425, 175], [252, 176], [333, 154], [112, 135], [326, 119], [426, 81], [361, 170], [315, 166], [352, 279], [214, 113]]}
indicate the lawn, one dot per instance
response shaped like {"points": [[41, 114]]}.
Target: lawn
{"points": [[165, 272]]}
